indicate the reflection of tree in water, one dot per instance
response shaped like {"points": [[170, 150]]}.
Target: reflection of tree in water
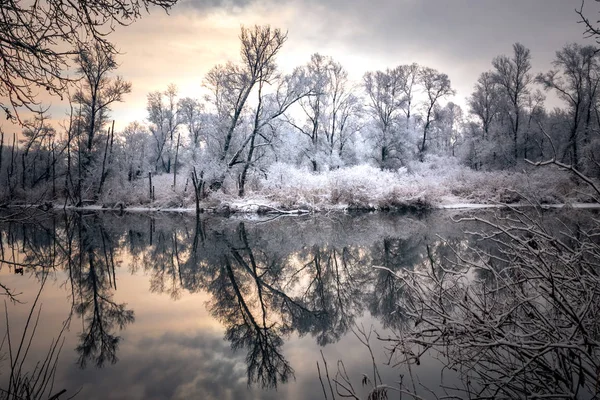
{"points": [[246, 300], [29, 247], [332, 282], [163, 257], [40, 247], [247, 326], [266, 281], [94, 280], [86, 250], [264, 287], [393, 254], [262, 290]]}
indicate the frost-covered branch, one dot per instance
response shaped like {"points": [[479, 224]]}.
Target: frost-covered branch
{"points": [[515, 316]]}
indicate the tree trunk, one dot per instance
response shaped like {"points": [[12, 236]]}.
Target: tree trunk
{"points": [[23, 171], [150, 186], [516, 134], [11, 170], [112, 136], [1, 148], [53, 172], [175, 166], [103, 172], [236, 116], [242, 180], [198, 188], [425, 130], [79, 176]]}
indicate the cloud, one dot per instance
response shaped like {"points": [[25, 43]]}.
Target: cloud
{"points": [[210, 5], [459, 38], [175, 365]]}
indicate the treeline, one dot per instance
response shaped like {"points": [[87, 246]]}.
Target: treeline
{"points": [[314, 117]]}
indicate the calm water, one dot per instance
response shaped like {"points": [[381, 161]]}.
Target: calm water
{"points": [[166, 306]]}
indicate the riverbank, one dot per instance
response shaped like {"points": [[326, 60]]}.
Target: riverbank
{"points": [[267, 209], [288, 190]]}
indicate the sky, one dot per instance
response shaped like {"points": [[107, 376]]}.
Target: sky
{"points": [[457, 37]]}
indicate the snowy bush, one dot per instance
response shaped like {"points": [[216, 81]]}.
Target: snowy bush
{"points": [[438, 180], [361, 186]]}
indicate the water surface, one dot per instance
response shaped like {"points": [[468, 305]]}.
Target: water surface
{"points": [[170, 306]]}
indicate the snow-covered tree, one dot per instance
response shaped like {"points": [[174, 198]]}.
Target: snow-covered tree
{"points": [[164, 119], [512, 75], [330, 114], [386, 104], [576, 80], [436, 86]]}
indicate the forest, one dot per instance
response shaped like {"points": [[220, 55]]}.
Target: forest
{"points": [[312, 138]]}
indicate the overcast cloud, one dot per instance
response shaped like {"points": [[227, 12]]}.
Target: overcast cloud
{"points": [[457, 37]]}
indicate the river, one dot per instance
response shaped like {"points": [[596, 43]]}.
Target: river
{"points": [[167, 306]]}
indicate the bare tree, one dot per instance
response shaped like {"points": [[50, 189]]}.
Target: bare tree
{"points": [[97, 90], [344, 106], [37, 133], [314, 107], [331, 110], [513, 77], [38, 149], [163, 115], [290, 89], [190, 112], [436, 86], [449, 128], [576, 82], [37, 41], [135, 141], [410, 74], [232, 84], [387, 100], [483, 102]]}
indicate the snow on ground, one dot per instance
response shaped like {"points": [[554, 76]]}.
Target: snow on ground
{"points": [[457, 206], [436, 183], [250, 210]]}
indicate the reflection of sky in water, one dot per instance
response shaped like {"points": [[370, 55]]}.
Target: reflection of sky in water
{"points": [[176, 348]]}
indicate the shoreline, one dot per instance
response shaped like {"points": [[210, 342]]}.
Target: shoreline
{"points": [[227, 209]]}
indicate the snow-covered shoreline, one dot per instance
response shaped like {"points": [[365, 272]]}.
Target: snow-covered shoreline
{"points": [[435, 184], [265, 208]]}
